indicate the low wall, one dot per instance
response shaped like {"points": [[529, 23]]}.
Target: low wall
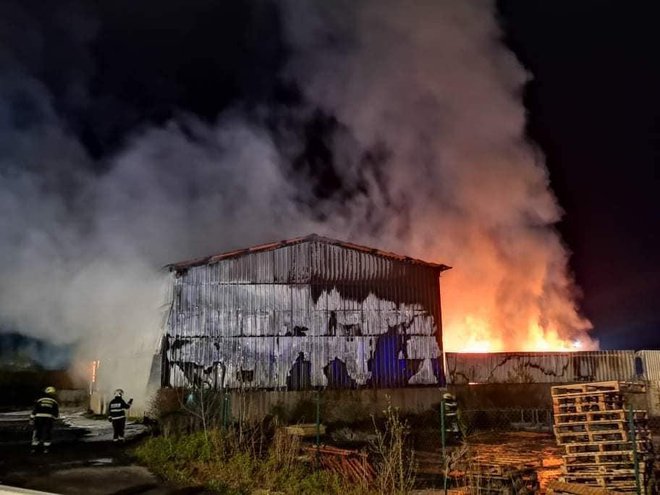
{"points": [[73, 398], [503, 396], [335, 405], [20, 388], [352, 406]]}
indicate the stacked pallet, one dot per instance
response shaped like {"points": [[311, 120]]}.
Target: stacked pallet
{"points": [[592, 423], [495, 478]]}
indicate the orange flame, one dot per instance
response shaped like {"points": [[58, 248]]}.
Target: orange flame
{"points": [[475, 334]]}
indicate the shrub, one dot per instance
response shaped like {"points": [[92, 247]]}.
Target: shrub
{"points": [[226, 462]]}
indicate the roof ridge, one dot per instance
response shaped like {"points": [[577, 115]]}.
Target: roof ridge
{"points": [[214, 258]]}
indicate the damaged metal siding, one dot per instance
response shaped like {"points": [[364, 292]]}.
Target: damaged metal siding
{"points": [[649, 365], [540, 367], [313, 313]]}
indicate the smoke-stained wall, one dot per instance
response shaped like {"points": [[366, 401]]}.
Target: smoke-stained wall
{"points": [[308, 313], [550, 367]]}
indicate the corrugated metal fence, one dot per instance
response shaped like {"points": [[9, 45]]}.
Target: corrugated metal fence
{"points": [[552, 367]]}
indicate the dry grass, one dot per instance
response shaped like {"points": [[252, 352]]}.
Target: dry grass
{"points": [[240, 462], [395, 457]]}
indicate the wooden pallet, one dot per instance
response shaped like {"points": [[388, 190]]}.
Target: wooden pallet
{"points": [[608, 386], [593, 428], [599, 436], [607, 446], [591, 398], [624, 487], [602, 470], [586, 404], [555, 487], [574, 388], [604, 480], [599, 457], [492, 478], [584, 408], [498, 469], [595, 423], [614, 414]]}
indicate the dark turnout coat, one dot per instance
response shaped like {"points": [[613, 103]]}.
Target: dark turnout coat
{"points": [[46, 407], [117, 408]]}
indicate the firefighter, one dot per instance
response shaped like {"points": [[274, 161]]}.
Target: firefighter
{"points": [[46, 410], [117, 414]]}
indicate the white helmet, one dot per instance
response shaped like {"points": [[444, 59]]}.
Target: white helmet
{"points": [[119, 392]]}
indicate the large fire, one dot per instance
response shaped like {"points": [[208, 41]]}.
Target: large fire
{"points": [[475, 334]]}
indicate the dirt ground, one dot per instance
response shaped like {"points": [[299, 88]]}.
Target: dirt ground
{"points": [[82, 460]]}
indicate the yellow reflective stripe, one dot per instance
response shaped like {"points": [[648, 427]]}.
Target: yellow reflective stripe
{"points": [[44, 415], [47, 399]]}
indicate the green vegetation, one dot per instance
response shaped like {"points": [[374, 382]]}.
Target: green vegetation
{"points": [[201, 445], [223, 462]]}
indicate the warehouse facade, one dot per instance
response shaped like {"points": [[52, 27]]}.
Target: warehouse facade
{"points": [[304, 314]]}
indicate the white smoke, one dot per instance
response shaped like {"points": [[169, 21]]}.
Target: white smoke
{"points": [[428, 87], [434, 86]]}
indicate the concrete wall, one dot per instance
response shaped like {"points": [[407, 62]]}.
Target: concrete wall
{"points": [[503, 396], [335, 405], [74, 397]]}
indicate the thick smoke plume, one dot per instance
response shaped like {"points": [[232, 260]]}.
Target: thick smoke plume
{"points": [[429, 159], [434, 90]]}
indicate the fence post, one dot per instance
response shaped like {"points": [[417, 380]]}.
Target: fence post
{"points": [[318, 427], [225, 410], [443, 440], [633, 439]]}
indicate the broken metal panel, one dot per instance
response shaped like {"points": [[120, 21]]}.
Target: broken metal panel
{"points": [[540, 367], [309, 314], [648, 365]]}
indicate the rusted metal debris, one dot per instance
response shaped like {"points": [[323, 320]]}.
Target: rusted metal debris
{"points": [[351, 464]]}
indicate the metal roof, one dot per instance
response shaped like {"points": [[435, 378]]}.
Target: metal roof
{"points": [[215, 258]]}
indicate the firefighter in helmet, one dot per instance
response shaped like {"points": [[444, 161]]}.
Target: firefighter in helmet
{"points": [[451, 416], [44, 413], [117, 414]]}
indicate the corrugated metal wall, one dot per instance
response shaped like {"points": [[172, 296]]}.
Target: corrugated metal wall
{"points": [[306, 315], [650, 366], [540, 367]]}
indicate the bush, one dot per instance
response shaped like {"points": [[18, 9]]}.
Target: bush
{"points": [[231, 462]]}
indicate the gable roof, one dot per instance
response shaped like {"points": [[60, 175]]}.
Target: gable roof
{"points": [[214, 258]]}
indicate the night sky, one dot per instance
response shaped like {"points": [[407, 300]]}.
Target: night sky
{"points": [[593, 101], [594, 108]]}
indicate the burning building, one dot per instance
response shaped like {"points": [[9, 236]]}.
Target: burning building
{"points": [[304, 314]]}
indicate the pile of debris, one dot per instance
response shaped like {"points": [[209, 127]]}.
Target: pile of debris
{"points": [[502, 479], [605, 444]]}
